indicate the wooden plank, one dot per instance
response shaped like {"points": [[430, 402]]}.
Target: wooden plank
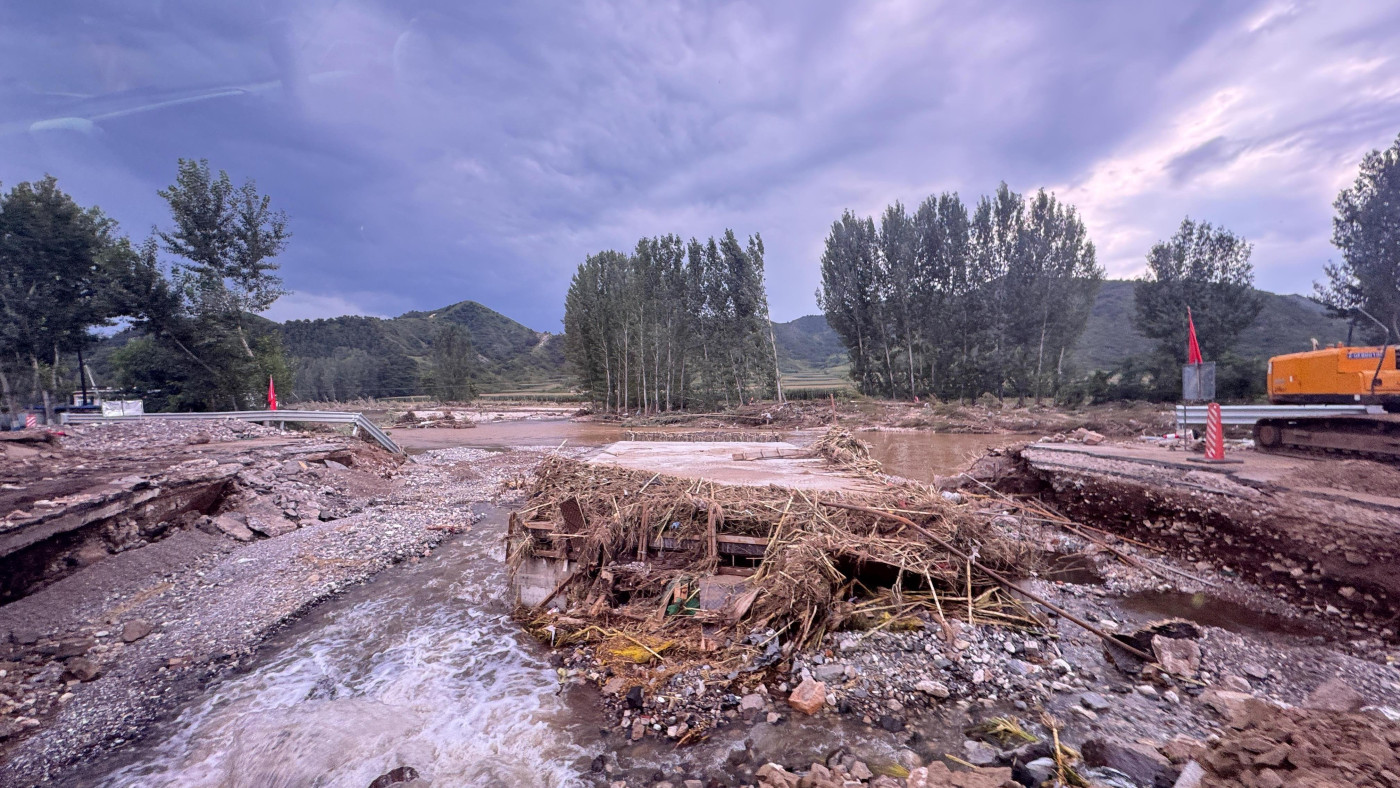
{"points": [[751, 547]]}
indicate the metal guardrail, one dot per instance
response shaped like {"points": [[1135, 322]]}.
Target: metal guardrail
{"points": [[1249, 414], [356, 420]]}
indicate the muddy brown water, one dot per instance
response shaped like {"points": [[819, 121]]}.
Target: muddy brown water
{"points": [[922, 456], [1214, 611]]}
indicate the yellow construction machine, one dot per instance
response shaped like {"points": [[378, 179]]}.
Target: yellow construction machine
{"points": [[1336, 375]]}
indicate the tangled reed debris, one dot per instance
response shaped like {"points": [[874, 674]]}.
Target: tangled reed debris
{"points": [[656, 555], [842, 447]]}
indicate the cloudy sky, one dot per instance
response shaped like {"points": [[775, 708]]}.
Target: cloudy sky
{"points": [[430, 151]]}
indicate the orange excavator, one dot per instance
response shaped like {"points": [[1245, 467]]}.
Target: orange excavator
{"points": [[1336, 375]]}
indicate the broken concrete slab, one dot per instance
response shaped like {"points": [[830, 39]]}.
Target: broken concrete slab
{"points": [[234, 525]]}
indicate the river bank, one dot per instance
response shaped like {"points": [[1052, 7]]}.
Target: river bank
{"points": [[167, 592]]}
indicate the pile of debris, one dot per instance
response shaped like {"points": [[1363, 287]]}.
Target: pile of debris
{"points": [[444, 417], [727, 582]]}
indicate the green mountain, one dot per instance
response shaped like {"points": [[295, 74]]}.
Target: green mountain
{"points": [[808, 343], [1286, 324], [351, 356]]}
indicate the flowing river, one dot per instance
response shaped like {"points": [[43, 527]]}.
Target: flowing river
{"points": [[422, 667]]}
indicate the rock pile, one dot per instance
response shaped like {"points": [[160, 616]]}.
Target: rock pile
{"points": [[1274, 748]]}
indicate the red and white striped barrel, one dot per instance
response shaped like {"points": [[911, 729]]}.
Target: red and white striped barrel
{"points": [[31, 421], [1215, 433]]}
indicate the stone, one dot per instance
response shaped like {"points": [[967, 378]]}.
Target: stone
{"points": [[135, 629], [776, 776], [1191, 776], [1334, 695], [751, 702], [1141, 763], [1146, 690], [1095, 701], [809, 697], [831, 671], [1183, 750], [1236, 683], [1178, 656], [75, 647], [934, 688], [891, 723], [635, 698], [234, 525], [1040, 770], [979, 753], [338, 466], [1255, 671], [398, 776], [1228, 704], [860, 771], [82, 669], [271, 525], [918, 778]]}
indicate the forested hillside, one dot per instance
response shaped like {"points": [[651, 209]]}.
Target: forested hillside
{"points": [[351, 356]]}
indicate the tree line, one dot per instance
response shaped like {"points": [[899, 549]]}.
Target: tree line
{"points": [[188, 291], [946, 303], [671, 325]]}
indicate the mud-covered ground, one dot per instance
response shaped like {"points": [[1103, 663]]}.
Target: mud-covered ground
{"points": [[1113, 419]]}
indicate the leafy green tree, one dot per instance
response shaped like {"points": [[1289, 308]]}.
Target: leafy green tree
{"points": [[225, 240], [1366, 229], [453, 362], [1204, 268], [940, 303], [671, 324], [63, 271]]}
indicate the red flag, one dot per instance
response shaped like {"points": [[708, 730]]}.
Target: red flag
{"points": [[1193, 348], [272, 392]]}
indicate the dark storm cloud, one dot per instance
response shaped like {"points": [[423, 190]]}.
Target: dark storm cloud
{"points": [[434, 151]]}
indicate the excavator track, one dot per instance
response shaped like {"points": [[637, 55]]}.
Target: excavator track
{"points": [[1373, 436]]}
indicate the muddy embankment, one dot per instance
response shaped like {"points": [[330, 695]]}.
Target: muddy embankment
{"points": [[1294, 534]]}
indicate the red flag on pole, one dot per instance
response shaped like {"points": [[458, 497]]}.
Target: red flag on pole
{"points": [[1193, 348], [272, 394]]}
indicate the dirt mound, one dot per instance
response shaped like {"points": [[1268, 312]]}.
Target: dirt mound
{"points": [[1351, 475], [1306, 747]]}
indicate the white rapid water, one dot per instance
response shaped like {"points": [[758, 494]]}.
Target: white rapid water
{"points": [[422, 667]]}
